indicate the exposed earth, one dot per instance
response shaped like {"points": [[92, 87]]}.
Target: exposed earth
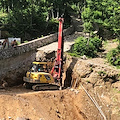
{"points": [[42, 105], [99, 79]]}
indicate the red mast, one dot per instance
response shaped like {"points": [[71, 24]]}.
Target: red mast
{"points": [[57, 68]]}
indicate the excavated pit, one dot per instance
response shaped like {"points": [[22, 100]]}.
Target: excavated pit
{"points": [[67, 104]]}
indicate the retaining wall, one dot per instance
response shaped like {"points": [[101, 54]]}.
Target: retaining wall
{"points": [[32, 45]]}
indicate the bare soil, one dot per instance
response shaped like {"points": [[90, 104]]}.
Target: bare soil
{"points": [[45, 105]]}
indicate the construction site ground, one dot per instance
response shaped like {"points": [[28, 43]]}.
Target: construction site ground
{"points": [[42, 105], [18, 103]]}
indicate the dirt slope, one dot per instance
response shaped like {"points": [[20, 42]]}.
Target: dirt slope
{"points": [[48, 105]]}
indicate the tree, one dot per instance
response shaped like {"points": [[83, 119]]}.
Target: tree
{"points": [[103, 14]]}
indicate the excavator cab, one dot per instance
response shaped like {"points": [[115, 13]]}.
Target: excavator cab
{"points": [[39, 67], [38, 77]]}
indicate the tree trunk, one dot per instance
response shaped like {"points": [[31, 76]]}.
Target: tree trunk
{"points": [[88, 40], [57, 12], [52, 13]]}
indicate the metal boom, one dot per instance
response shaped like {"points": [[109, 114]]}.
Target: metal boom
{"points": [[57, 68]]}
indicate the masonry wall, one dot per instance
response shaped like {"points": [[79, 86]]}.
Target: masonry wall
{"points": [[32, 45]]}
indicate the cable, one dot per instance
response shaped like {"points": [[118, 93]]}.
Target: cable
{"points": [[95, 103]]}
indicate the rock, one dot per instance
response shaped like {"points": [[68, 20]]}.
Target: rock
{"points": [[41, 119], [22, 118], [9, 117], [89, 86], [3, 119], [76, 91], [40, 55], [84, 57], [71, 89], [1, 87], [116, 85], [108, 85], [57, 111], [5, 84]]}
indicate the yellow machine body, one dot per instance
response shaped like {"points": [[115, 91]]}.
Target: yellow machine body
{"points": [[38, 74]]}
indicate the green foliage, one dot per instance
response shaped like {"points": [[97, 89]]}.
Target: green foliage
{"points": [[30, 19], [18, 43], [104, 13], [25, 41], [53, 25], [113, 56], [96, 42], [74, 54], [86, 14], [83, 46], [88, 26], [91, 69], [3, 18], [36, 17], [115, 40], [74, 7], [101, 73], [26, 21]]}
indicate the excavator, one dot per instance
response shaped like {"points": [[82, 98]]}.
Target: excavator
{"points": [[38, 77]]}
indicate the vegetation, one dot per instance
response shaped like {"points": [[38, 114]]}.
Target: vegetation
{"points": [[33, 18], [101, 73], [113, 57], [103, 16], [88, 47]]}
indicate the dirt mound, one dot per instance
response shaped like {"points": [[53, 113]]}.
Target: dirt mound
{"points": [[100, 80], [49, 105]]}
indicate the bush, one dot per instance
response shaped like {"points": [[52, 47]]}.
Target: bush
{"points": [[113, 56], [83, 47], [96, 42]]}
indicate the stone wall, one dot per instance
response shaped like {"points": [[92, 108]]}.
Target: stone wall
{"points": [[32, 45], [14, 68]]}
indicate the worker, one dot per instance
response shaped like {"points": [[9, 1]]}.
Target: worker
{"points": [[34, 68], [5, 44], [14, 43]]}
